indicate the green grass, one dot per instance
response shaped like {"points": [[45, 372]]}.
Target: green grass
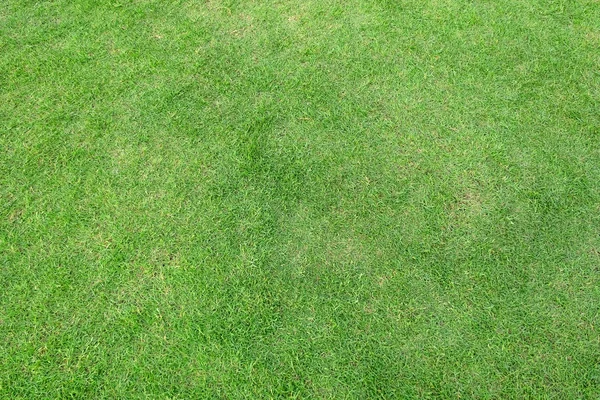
{"points": [[300, 199]]}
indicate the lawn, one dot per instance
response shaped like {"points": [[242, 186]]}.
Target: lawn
{"points": [[300, 199]]}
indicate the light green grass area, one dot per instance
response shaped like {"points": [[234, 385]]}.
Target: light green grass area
{"points": [[300, 199]]}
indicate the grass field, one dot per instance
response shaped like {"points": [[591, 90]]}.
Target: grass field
{"points": [[300, 199]]}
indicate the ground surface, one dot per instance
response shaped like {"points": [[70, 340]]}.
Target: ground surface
{"points": [[326, 199]]}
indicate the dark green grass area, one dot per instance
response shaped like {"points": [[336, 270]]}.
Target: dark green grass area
{"points": [[300, 199]]}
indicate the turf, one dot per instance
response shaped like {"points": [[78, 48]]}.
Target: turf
{"points": [[300, 199]]}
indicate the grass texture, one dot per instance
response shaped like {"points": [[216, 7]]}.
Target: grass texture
{"points": [[300, 199]]}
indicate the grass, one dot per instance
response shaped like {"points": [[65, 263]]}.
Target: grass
{"points": [[300, 199]]}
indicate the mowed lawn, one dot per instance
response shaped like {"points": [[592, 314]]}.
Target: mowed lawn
{"points": [[300, 199]]}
